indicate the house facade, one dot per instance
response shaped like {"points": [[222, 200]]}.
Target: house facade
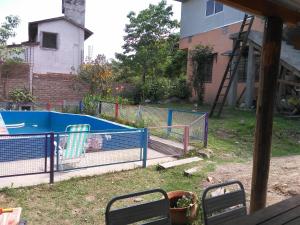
{"points": [[210, 23], [56, 45], [52, 55]]}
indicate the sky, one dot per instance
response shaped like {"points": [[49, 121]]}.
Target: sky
{"points": [[106, 18]]}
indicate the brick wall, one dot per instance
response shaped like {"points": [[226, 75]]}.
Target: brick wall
{"points": [[13, 77], [51, 88], [57, 87]]}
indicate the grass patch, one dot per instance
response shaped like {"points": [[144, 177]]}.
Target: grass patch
{"points": [[83, 200], [233, 133]]}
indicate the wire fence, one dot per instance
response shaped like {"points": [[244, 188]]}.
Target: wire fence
{"points": [[24, 154], [100, 148], [48, 153], [139, 115], [146, 116], [170, 141]]}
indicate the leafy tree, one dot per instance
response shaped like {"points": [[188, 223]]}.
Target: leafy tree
{"points": [[97, 74], [151, 59], [148, 34], [7, 30]]}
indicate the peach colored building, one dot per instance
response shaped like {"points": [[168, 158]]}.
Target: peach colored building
{"points": [[208, 22]]}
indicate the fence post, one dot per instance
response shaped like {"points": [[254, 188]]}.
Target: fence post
{"points": [[80, 106], [145, 146], [52, 149], [116, 110], [100, 107], [46, 152], [186, 139], [206, 130], [170, 120], [48, 106]]}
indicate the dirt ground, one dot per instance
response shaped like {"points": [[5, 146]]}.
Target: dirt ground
{"points": [[284, 179]]}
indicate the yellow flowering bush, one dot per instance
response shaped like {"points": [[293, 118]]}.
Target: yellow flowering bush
{"points": [[98, 74]]}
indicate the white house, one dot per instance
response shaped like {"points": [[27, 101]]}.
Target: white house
{"points": [[56, 45]]}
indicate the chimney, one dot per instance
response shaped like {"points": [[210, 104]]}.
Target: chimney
{"points": [[74, 10]]}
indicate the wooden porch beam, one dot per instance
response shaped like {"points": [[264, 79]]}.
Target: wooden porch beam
{"points": [[265, 8], [270, 59]]}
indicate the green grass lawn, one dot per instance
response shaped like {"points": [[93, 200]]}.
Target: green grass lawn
{"points": [[234, 133], [83, 201]]}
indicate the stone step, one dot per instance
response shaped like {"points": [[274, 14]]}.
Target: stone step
{"points": [[173, 144], [164, 148], [180, 162], [191, 171]]}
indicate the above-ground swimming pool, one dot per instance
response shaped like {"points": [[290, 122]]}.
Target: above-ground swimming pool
{"points": [[44, 122], [29, 134]]}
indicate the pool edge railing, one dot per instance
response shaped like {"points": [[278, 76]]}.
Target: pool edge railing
{"points": [[46, 159]]}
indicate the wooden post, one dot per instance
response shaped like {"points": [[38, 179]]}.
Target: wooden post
{"points": [[52, 154], [116, 110], [232, 94], [250, 76], [186, 139], [264, 114]]}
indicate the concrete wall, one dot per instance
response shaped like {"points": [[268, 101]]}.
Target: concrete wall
{"points": [[194, 19], [69, 54], [220, 40]]}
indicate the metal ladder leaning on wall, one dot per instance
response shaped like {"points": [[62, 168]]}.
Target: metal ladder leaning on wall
{"points": [[232, 67]]}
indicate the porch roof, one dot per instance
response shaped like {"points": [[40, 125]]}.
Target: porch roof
{"points": [[288, 10]]}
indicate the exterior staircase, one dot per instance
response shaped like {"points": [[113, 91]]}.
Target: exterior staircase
{"points": [[290, 57]]}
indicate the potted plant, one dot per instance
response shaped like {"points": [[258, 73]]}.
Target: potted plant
{"points": [[183, 207]]}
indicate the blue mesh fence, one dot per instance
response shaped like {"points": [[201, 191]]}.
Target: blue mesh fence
{"points": [[31, 154], [99, 148], [24, 154]]}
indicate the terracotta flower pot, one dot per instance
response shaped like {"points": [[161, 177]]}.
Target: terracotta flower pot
{"points": [[181, 216]]}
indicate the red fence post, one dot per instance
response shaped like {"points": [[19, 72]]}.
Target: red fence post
{"points": [[186, 139], [48, 106], [116, 110]]}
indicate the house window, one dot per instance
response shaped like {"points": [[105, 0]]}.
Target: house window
{"points": [[208, 70], [213, 7], [49, 40]]}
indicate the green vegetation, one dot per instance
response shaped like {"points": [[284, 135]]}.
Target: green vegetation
{"points": [[234, 134], [202, 61], [98, 75], [7, 30], [83, 201], [21, 96], [151, 60]]}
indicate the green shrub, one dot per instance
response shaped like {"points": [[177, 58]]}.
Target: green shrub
{"points": [[90, 102], [180, 88], [21, 96], [157, 89], [134, 93]]}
